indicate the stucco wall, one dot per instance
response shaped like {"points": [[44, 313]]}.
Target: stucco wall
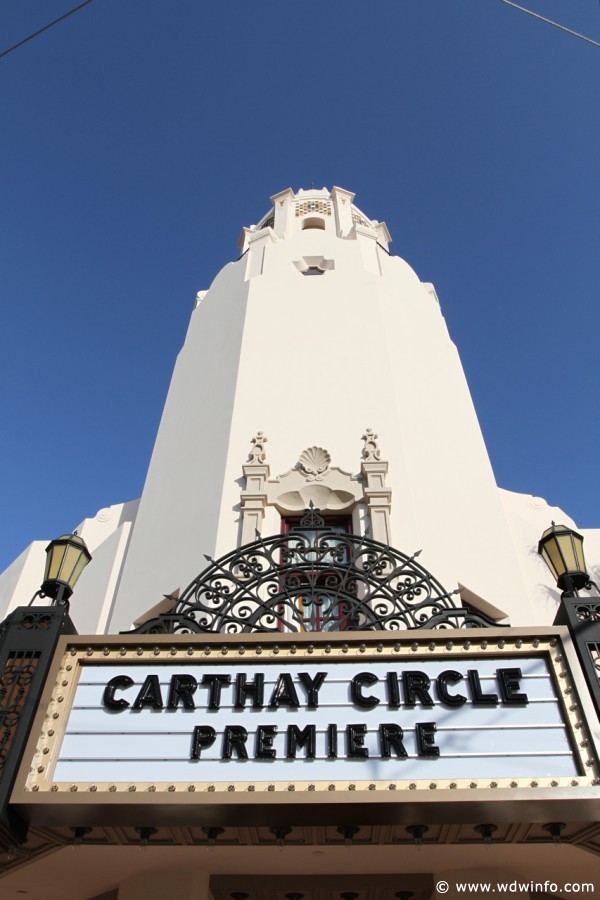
{"points": [[314, 360]]}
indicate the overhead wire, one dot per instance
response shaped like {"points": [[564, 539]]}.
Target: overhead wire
{"points": [[45, 28], [551, 22], [529, 12]]}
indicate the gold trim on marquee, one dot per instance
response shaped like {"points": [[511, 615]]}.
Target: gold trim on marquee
{"points": [[36, 778]]}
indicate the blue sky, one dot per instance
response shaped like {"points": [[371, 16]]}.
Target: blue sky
{"points": [[139, 136]]}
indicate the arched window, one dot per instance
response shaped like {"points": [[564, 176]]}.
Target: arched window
{"points": [[313, 222]]}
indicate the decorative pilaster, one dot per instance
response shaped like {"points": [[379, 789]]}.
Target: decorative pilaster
{"points": [[342, 204], [254, 496], [28, 638], [284, 213], [582, 617], [383, 236], [377, 496]]}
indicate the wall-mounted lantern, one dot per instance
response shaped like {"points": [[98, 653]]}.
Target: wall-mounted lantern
{"points": [[561, 548], [66, 558]]}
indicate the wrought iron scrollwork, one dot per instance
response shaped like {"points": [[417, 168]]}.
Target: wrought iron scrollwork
{"points": [[319, 581], [587, 610]]}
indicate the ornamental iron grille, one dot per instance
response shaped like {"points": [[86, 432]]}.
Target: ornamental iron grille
{"points": [[15, 682], [582, 617], [313, 578]]}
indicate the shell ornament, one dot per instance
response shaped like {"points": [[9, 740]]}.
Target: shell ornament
{"points": [[313, 462]]}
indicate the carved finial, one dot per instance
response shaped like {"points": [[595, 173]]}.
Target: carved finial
{"points": [[313, 462], [257, 454], [371, 451]]}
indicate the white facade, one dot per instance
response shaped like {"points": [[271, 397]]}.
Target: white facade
{"points": [[317, 369], [316, 337]]}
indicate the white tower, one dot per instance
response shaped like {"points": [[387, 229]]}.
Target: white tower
{"points": [[317, 368], [315, 334]]}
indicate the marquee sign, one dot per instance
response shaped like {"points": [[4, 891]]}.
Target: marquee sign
{"points": [[306, 715]]}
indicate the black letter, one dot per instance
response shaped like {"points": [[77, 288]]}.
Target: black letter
{"points": [[356, 685], [254, 689], [305, 738], [390, 738], [108, 697], [234, 738], [202, 737], [284, 693], [265, 735], [509, 686], [332, 742], [479, 698], [425, 736], [355, 737], [182, 688], [393, 690], [149, 694], [312, 687], [449, 676], [215, 683], [416, 687]]}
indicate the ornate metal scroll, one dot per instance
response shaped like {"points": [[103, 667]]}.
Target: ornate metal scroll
{"points": [[314, 580], [586, 609]]}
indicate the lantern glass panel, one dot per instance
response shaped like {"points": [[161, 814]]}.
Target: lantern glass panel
{"points": [[553, 558], [578, 550], [53, 561], [567, 548], [70, 561], [79, 567]]}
